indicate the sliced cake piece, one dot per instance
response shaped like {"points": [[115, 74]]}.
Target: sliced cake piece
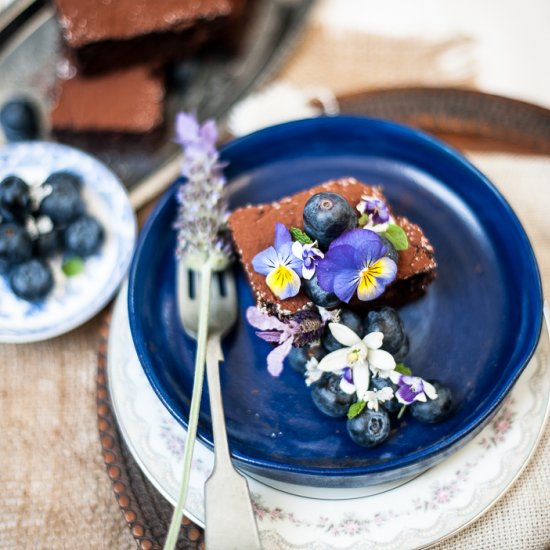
{"points": [[111, 34], [253, 230], [127, 101]]}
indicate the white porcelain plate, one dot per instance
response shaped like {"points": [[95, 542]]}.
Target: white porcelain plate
{"points": [[416, 513], [74, 299]]}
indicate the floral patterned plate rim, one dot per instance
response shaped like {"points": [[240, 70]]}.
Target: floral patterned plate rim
{"points": [[420, 512], [75, 299]]}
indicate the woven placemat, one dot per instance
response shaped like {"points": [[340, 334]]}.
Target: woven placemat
{"points": [[146, 512], [484, 120]]}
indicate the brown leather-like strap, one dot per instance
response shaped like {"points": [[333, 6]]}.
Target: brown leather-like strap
{"points": [[466, 113]]}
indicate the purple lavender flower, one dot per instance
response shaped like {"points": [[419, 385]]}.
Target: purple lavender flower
{"points": [[194, 137], [376, 210], [356, 263], [202, 212], [280, 265], [310, 256], [414, 388]]}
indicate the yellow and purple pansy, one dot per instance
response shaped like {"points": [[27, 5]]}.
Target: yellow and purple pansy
{"points": [[356, 263], [280, 266]]}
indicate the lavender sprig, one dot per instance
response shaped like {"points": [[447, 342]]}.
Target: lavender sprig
{"points": [[202, 213], [201, 247]]}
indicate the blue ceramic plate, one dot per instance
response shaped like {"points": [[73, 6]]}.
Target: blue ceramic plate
{"points": [[475, 329]]}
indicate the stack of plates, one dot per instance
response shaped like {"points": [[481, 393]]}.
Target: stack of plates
{"points": [[408, 514], [476, 329]]}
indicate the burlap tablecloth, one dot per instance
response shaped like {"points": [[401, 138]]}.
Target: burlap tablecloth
{"points": [[54, 492]]}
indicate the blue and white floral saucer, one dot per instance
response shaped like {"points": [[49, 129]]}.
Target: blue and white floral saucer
{"points": [[74, 299], [412, 514]]}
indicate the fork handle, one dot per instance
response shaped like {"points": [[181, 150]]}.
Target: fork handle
{"points": [[229, 517]]}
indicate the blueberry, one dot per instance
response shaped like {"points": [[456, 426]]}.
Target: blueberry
{"points": [[31, 280], [352, 321], [19, 120], [392, 405], [327, 216], [318, 296], [64, 203], [298, 357], [403, 351], [15, 244], [83, 237], [63, 177], [434, 410], [329, 398], [387, 321], [392, 252], [15, 200], [369, 428]]}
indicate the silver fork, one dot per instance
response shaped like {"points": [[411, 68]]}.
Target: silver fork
{"points": [[229, 517]]}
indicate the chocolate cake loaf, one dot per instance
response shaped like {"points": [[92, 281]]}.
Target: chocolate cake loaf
{"points": [[109, 102], [253, 230], [101, 36]]}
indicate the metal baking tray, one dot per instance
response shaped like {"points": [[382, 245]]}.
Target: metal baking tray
{"points": [[30, 60]]}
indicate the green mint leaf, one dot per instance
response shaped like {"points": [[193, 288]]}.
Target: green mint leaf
{"points": [[73, 266], [363, 219], [402, 369], [397, 236], [356, 408], [300, 236]]}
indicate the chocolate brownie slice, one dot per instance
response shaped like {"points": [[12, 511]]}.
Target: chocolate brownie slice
{"points": [[253, 230], [109, 34], [127, 101]]}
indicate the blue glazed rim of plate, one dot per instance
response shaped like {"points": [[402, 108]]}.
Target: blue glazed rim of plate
{"points": [[260, 142]]}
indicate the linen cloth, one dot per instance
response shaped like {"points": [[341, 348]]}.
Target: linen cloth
{"points": [[54, 492]]}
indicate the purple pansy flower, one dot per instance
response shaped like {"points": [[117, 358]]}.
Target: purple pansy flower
{"points": [[356, 263], [375, 209], [310, 256], [280, 265], [413, 388]]}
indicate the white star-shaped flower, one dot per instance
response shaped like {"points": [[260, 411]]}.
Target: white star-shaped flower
{"points": [[374, 397], [357, 359]]}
